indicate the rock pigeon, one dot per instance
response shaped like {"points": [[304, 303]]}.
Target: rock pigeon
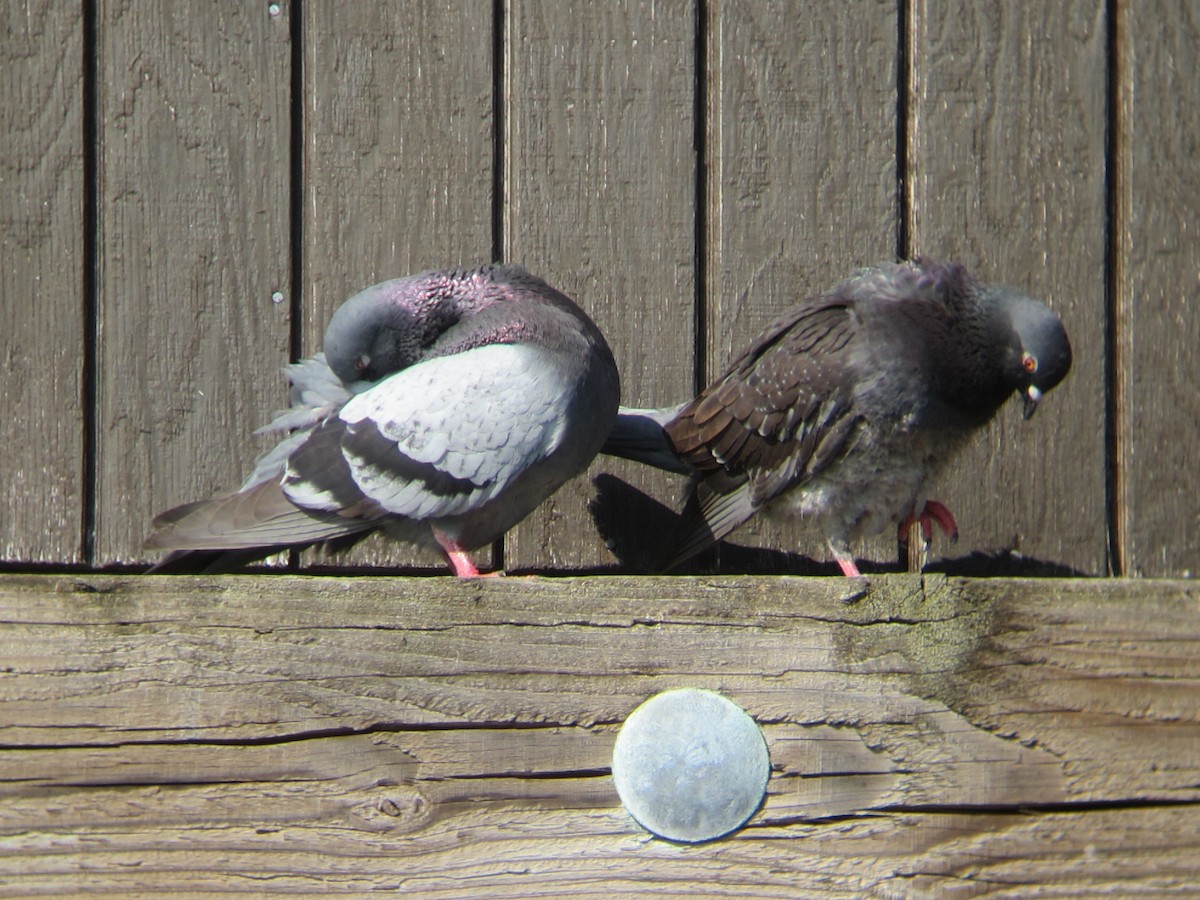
{"points": [[843, 408], [446, 406]]}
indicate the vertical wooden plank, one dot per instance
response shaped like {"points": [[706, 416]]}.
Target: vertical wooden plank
{"points": [[1158, 289], [1006, 153], [41, 281], [193, 242], [398, 174], [802, 185], [600, 200]]}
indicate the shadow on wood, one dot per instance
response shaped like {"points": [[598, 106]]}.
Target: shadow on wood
{"points": [[637, 530]]}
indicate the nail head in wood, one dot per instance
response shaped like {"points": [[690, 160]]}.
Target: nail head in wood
{"points": [[690, 765]]}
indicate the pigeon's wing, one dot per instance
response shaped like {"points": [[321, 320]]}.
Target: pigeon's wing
{"points": [[941, 288], [314, 394], [717, 503], [259, 519], [782, 413], [439, 438]]}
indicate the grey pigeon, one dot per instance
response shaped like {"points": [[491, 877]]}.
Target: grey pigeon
{"points": [[844, 407], [446, 406]]}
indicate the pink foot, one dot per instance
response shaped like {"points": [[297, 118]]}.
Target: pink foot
{"points": [[458, 558], [931, 512]]}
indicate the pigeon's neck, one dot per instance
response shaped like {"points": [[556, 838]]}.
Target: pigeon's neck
{"points": [[516, 322], [969, 365], [506, 305], [450, 306], [443, 304]]}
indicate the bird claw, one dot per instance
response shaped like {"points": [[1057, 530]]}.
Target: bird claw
{"points": [[931, 512]]}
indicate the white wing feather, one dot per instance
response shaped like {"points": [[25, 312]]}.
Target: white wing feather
{"points": [[482, 417]]}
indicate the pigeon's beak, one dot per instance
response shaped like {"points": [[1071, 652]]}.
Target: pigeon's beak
{"points": [[1032, 398]]}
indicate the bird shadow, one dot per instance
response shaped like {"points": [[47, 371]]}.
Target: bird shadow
{"points": [[633, 525]]}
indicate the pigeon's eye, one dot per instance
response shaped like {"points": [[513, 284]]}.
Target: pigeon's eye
{"points": [[362, 362], [1029, 362]]}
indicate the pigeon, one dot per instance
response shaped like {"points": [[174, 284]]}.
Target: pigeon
{"points": [[445, 407], [843, 408]]}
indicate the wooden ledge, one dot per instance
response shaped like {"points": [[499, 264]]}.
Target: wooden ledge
{"points": [[928, 736]]}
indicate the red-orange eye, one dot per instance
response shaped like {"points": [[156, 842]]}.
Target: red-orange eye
{"points": [[1029, 361]]}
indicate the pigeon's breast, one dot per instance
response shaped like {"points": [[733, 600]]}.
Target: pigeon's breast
{"points": [[874, 487]]}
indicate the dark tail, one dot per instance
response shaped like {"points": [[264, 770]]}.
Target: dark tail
{"points": [[638, 435]]}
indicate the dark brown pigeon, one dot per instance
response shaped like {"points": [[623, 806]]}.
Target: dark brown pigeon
{"points": [[843, 408], [445, 407]]}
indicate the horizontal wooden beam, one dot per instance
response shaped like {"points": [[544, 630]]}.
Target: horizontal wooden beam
{"points": [[342, 735]]}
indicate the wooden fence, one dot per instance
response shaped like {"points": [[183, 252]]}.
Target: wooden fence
{"points": [[190, 189], [187, 191]]}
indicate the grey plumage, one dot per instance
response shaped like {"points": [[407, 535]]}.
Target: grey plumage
{"points": [[445, 407], [638, 435], [841, 410]]}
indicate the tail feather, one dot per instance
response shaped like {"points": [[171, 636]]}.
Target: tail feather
{"points": [[638, 435], [209, 562], [260, 519], [716, 505]]}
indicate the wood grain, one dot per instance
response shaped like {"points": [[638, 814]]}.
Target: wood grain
{"points": [[397, 162], [41, 282], [1007, 161], [600, 177], [601, 192], [193, 242], [929, 737], [802, 182], [1158, 291]]}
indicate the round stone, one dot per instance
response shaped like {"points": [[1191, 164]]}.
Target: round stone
{"points": [[690, 765]]}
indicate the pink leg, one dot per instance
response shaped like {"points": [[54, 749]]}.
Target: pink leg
{"points": [[461, 563], [845, 561], [458, 558], [849, 568]]}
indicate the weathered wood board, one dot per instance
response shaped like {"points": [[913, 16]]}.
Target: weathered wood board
{"points": [[188, 192], [42, 313], [1006, 174], [801, 185], [398, 151], [599, 199], [929, 737], [1157, 309], [193, 244]]}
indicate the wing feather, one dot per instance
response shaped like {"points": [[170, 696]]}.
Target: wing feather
{"points": [[439, 438], [781, 414], [260, 517]]}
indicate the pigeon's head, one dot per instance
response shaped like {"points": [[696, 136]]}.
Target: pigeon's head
{"points": [[1039, 354], [377, 332]]}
